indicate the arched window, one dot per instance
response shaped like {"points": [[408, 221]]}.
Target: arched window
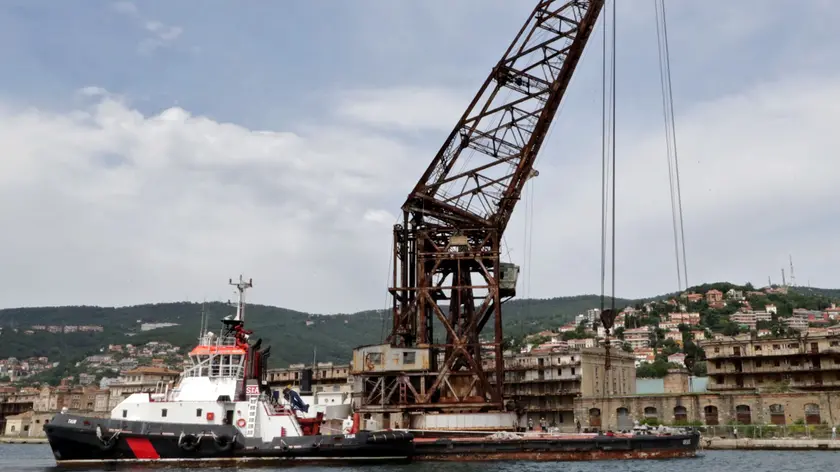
{"points": [[625, 422], [650, 412], [680, 414], [595, 417], [777, 414], [710, 415], [812, 413], [743, 415]]}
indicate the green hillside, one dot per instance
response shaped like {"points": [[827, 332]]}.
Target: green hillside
{"points": [[332, 336], [293, 339]]}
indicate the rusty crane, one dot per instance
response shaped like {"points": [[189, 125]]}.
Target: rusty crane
{"points": [[447, 247]]}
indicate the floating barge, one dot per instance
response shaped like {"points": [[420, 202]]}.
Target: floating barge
{"points": [[549, 447]]}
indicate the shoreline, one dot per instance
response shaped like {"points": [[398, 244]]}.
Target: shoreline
{"points": [[718, 444], [19, 440]]}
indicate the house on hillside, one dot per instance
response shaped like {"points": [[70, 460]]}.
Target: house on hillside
{"points": [[734, 295], [678, 358], [713, 296]]}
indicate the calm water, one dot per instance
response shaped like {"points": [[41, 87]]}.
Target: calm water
{"points": [[32, 458]]}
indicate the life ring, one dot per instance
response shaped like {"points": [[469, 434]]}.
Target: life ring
{"points": [[240, 422]]}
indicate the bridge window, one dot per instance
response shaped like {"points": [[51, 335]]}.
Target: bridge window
{"points": [[409, 357]]}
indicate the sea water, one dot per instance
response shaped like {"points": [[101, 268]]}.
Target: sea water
{"points": [[38, 458]]}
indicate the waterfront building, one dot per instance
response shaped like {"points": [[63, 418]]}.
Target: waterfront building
{"points": [[747, 362]]}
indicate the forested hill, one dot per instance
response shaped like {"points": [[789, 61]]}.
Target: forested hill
{"points": [[294, 335]]}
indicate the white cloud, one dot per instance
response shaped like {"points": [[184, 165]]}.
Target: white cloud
{"points": [[405, 108], [161, 35], [758, 172], [125, 7], [162, 31], [107, 205]]}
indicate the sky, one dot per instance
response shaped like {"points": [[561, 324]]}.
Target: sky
{"points": [[153, 150]]}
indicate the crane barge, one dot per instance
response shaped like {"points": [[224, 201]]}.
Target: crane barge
{"points": [[448, 274]]}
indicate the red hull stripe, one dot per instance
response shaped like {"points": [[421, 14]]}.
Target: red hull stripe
{"points": [[142, 448]]}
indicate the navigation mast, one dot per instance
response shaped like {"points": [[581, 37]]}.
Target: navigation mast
{"points": [[241, 286]]}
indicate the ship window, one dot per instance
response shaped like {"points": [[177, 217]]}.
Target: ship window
{"points": [[409, 357], [125, 413], [163, 412], [198, 412]]}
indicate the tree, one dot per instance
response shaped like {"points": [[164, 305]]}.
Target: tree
{"points": [[656, 369], [730, 328], [626, 347], [619, 332], [537, 340]]}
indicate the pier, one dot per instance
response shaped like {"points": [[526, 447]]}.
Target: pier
{"points": [[712, 443], [20, 440]]}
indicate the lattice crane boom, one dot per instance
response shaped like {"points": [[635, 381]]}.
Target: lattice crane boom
{"points": [[478, 174], [446, 250]]}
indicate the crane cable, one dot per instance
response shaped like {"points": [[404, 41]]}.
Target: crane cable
{"points": [[608, 171], [671, 143], [608, 157]]}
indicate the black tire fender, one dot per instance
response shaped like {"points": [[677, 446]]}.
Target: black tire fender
{"points": [[223, 443], [189, 442]]}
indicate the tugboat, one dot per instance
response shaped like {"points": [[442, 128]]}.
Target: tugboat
{"points": [[222, 410]]}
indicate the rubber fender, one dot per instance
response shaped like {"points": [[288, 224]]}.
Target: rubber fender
{"points": [[223, 443], [189, 442]]}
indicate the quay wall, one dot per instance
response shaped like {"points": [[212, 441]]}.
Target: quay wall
{"points": [[770, 444]]}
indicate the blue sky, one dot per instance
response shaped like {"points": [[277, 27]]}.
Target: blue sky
{"points": [[145, 152]]}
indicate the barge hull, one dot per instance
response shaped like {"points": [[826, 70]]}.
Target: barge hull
{"points": [[557, 449], [553, 456]]}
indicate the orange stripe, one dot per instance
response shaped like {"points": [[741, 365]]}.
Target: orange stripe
{"points": [[142, 448]]}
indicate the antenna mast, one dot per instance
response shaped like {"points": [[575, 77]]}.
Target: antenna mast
{"points": [[792, 275], [241, 286]]}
